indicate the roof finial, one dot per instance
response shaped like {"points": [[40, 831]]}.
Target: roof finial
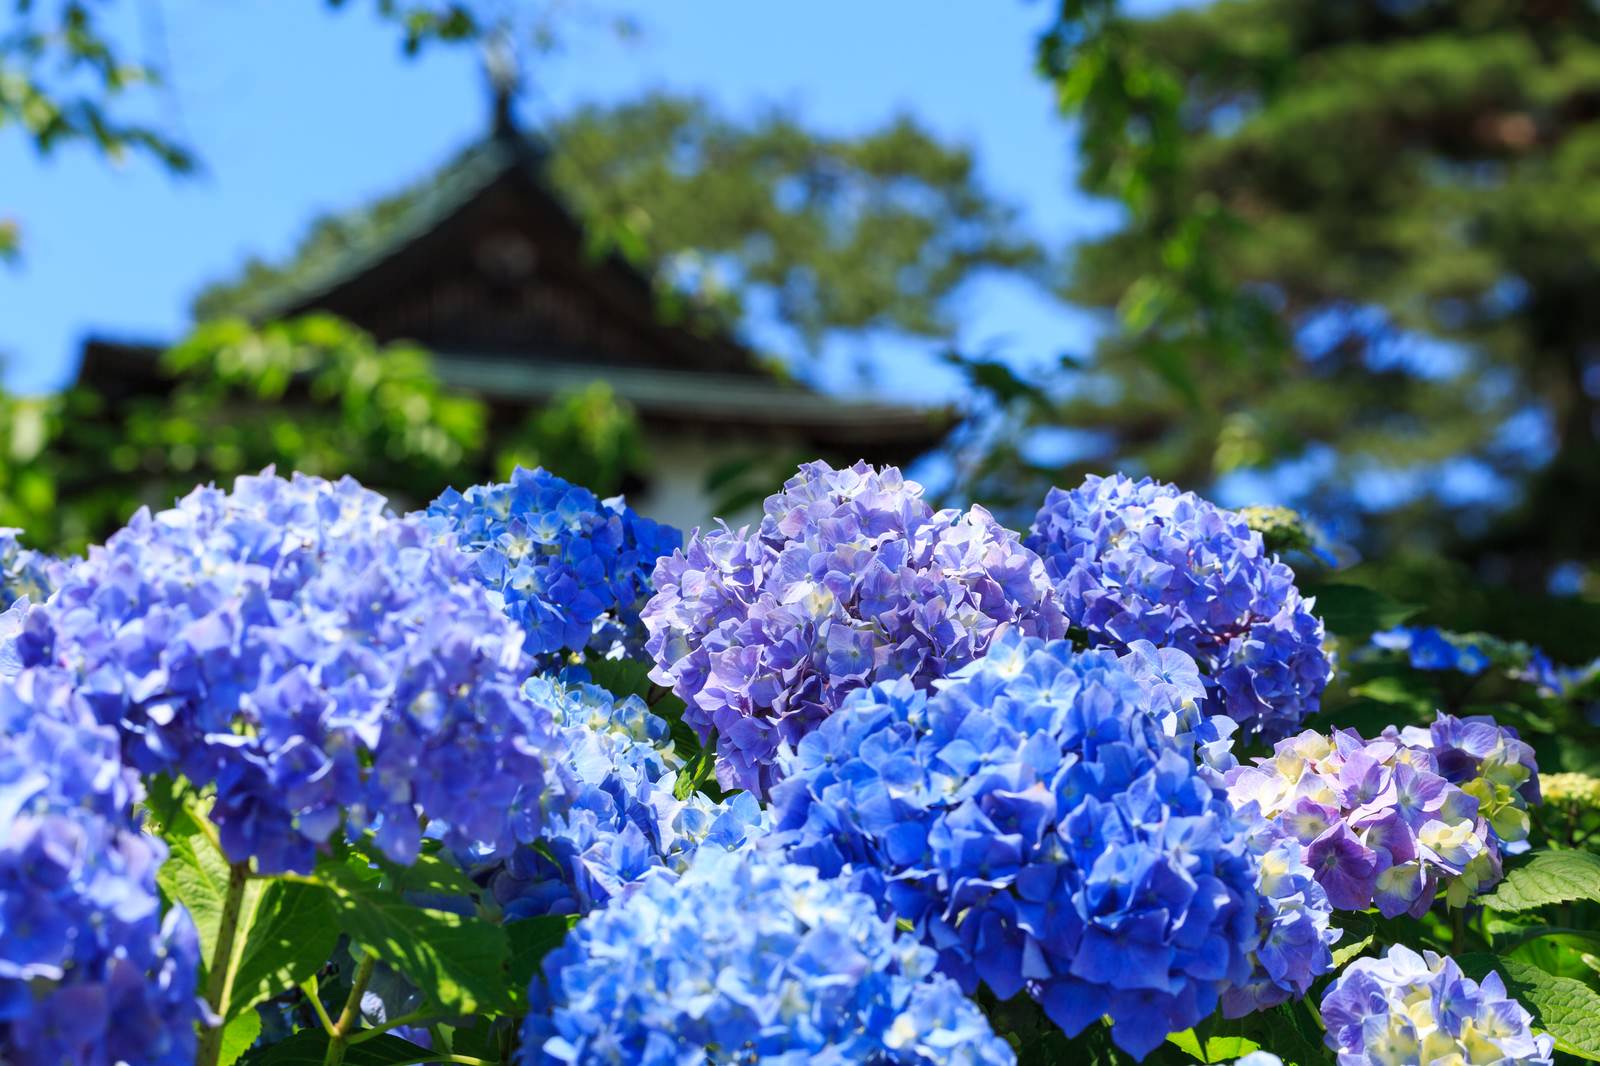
{"points": [[505, 78]]}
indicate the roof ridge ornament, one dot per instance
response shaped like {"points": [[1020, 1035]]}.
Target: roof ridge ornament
{"points": [[504, 72]]}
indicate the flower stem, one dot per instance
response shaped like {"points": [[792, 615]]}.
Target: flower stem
{"points": [[338, 1036], [219, 975]]}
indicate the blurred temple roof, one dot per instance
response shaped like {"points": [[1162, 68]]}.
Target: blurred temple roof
{"points": [[489, 270]]}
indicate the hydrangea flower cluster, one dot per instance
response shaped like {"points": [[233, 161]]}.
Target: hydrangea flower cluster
{"points": [[1430, 648], [749, 959], [1379, 821], [317, 659], [1576, 790], [24, 572], [89, 971], [1406, 1007], [624, 820], [851, 578], [1034, 826], [1139, 560], [574, 570], [1296, 939], [1490, 763]]}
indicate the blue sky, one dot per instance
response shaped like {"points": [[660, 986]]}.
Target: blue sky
{"points": [[295, 111]]}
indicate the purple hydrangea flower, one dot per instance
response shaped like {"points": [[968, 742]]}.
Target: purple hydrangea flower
{"points": [[90, 972], [1139, 560], [1405, 1007], [1033, 825], [747, 958], [319, 661], [1492, 764], [623, 820], [1380, 823], [850, 579], [574, 570]]}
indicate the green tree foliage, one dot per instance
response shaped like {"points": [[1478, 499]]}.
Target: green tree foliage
{"points": [[876, 231], [1360, 244], [62, 81], [312, 394]]}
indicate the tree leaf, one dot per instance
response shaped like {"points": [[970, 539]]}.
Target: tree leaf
{"points": [[295, 931], [196, 875], [1568, 1010], [463, 963], [240, 1033], [1356, 610], [308, 1046], [531, 940], [1549, 877]]}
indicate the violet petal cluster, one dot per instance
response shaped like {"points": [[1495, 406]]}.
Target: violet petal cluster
{"points": [[622, 820], [573, 570], [1139, 560], [320, 662], [851, 578], [1035, 827], [749, 959], [24, 573], [1492, 764], [1406, 1007], [1380, 822], [89, 970]]}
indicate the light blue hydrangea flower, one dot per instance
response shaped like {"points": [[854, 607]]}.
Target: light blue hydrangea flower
{"points": [[851, 578], [748, 959], [1405, 1007], [1296, 940], [24, 573], [622, 820], [89, 970], [1139, 560], [1036, 828], [319, 661], [574, 570]]}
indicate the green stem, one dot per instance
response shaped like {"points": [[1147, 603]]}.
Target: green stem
{"points": [[219, 976], [313, 993], [1458, 930], [466, 1060], [405, 1019], [338, 1036]]}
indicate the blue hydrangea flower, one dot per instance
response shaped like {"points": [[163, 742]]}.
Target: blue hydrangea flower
{"points": [[24, 573], [1405, 1007], [1380, 823], [1296, 940], [1429, 648], [574, 570], [318, 660], [1139, 560], [850, 579], [622, 820], [1035, 827], [89, 970], [748, 959]]}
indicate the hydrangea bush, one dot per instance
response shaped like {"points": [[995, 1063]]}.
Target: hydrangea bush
{"points": [[288, 778], [747, 958], [1031, 822], [850, 578], [1140, 560], [90, 971], [572, 569]]}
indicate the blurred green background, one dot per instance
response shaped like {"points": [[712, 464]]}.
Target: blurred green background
{"points": [[1343, 258]]}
